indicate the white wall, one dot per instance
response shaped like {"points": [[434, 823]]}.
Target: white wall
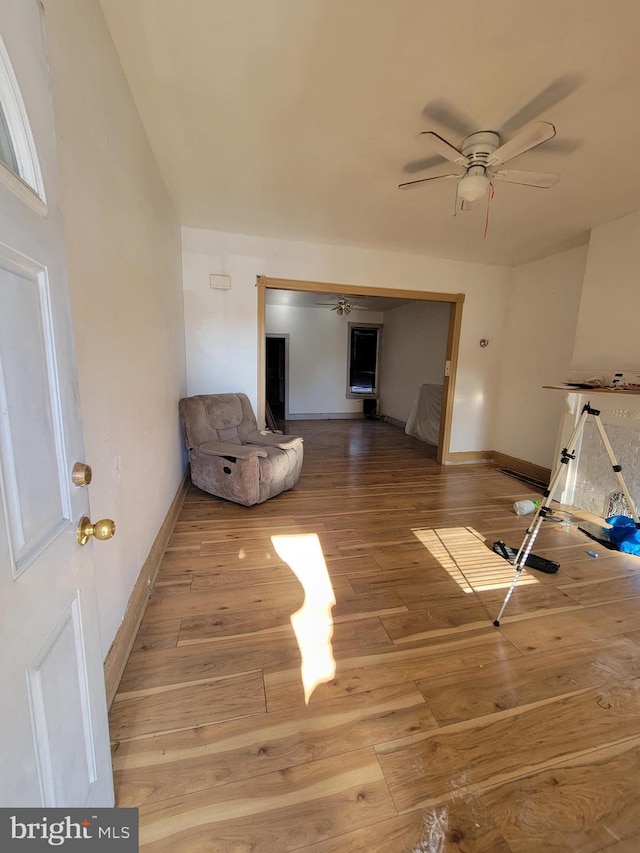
{"points": [[543, 313], [221, 326], [414, 348], [607, 333], [123, 244], [318, 357]]}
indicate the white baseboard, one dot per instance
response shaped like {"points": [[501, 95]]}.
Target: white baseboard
{"points": [[325, 416], [397, 423]]}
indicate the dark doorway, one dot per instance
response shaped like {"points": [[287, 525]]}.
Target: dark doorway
{"points": [[276, 376], [364, 344]]}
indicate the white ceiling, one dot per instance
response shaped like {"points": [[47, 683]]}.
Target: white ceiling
{"points": [[298, 118], [311, 299]]}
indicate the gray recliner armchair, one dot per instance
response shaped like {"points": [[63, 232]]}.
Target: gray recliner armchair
{"points": [[230, 457]]}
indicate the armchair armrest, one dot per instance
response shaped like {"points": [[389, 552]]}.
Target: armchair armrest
{"points": [[226, 448], [271, 439]]}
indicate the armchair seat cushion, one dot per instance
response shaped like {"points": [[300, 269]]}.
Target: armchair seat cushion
{"points": [[230, 457]]}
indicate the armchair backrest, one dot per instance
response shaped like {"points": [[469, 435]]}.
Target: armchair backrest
{"points": [[217, 417]]}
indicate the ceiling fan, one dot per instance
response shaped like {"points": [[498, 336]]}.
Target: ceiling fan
{"points": [[482, 155], [343, 306]]}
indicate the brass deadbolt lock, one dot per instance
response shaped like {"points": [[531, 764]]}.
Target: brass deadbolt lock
{"points": [[103, 529]]}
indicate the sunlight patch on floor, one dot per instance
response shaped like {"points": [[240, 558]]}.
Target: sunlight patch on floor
{"points": [[313, 623], [467, 560]]}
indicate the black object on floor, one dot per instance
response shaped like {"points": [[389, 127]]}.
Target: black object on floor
{"points": [[549, 567], [599, 533], [530, 481]]}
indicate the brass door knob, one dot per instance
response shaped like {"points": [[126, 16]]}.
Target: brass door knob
{"points": [[81, 474], [103, 529]]}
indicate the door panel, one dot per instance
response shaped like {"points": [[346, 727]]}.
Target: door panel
{"points": [[59, 677], [31, 441], [54, 738]]}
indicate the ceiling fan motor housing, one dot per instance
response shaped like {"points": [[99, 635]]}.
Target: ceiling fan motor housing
{"points": [[478, 147]]}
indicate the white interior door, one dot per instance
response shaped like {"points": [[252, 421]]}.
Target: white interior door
{"points": [[54, 736]]}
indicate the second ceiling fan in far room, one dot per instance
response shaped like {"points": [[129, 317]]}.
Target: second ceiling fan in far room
{"points": [[343, 306]]}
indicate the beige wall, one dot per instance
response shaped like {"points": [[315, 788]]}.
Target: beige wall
{"points": [[572, 315], [607, 333], [123, 245], [221, 326], [541, 325]]}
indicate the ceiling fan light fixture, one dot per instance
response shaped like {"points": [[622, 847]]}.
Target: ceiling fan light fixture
{"points": [[343, 307], [473, 187]]}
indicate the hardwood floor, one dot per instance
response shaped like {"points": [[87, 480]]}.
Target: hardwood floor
{"points": [[412, 725]]}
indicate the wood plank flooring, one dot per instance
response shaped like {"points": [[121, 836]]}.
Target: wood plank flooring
{"points": [[340, 688]]}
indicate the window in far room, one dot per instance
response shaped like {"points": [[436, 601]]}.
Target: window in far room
{"points": [[364, 350]]}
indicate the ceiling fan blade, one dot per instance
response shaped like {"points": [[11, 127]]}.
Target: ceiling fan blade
{"points": [[528, 179], [551, 95], [422, 164], [342, 304], [534, 134], [449, 116], [410, 184], [444, 149], [566, 145]]}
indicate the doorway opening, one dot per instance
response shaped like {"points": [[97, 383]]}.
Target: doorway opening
{"points": [[362, 359], [455, 302], [276, 350]]}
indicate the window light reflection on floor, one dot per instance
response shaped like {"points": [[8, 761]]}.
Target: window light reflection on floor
{"points": [[466, 558], [313, 622]]}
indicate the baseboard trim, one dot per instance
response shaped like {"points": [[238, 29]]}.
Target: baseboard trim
{"points": [[393, 421], [330, 416], [521, 466], [469, 457], [120, 650]]}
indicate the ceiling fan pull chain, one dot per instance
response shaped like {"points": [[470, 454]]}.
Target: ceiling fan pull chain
{"points": [[486, 221]]}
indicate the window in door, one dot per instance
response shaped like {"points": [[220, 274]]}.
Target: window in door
{"points": [[363, 367], [7, 153], [19, 165]]}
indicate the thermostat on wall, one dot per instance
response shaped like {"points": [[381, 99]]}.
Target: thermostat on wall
{"points": [[220, 282]]}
